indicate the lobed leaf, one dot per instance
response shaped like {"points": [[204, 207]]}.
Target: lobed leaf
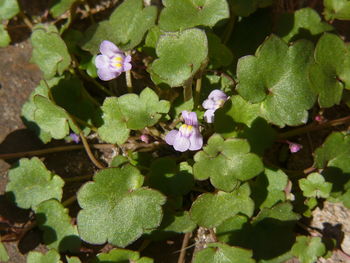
{"points": [[210, 210], [8, 9], [180, 56], [50, 52], [308, 249], [314, 185], [277, 78], [182, 14], [60, 7], [51, 256], [118, 255], [226, 162], [126, 27], [336, 9], [116, 209], [31, 183], [222, 253], [54, 221]]}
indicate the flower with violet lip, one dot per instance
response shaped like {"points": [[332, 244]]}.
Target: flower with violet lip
{"points": [[112, 61], [216, 99], [188, 136]]}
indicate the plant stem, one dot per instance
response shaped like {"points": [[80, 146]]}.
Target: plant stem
{"points": [[183, 248], [7, 156], [69, 201], [26, 20], [78, 178], [128, 81], [197, 92], [188, 90], [313, 127], [89, 153]]}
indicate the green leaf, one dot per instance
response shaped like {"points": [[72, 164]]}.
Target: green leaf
{"points": [[8, 9], [210, 210], [303, 23], [4, 257], [247, 7], [336, 145], [171, 178], [50, 52], [231, 225], [116, 209], [51, 256], [151, 40], [277, 78], [235, 110], [182, 14], [60, 7], [336, 9], [308, 249], [54, 220], [327, 72], [180, 56], [130, 111], [268, 189], [126, 26], [222, 253], [51, 118], [117, 255], [314, 185], [31, 183], [226, 162], [219, 54], [73, 260], [29, 108], [4, 36]]}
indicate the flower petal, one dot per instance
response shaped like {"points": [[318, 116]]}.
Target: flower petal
{"points": [[170, 137], [127, 59], [181, 143], [209, 116], [196, 141], [127, 66], [217, 94], [107, 74], [108, 48], [101, 61], [208, 104], [190, 117]]}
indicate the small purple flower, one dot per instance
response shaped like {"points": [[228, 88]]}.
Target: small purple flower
{"points": [[145, 138], [75, 137], [188, 136], [216, 99], [294, 147], [112, 61]]}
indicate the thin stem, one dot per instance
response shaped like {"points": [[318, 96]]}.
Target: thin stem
{"points": [[89, 153], [197, 92], [313, 127], [188, 90], [7, 156], [128, 81], [78, 178], [183, 248], [26, 20], [84, 123], [69, 201]]}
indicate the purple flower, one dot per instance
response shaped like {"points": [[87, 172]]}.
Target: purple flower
{"points": [[75, 137], [112, 61], [216, 99], [294, 147], [188, 136]]}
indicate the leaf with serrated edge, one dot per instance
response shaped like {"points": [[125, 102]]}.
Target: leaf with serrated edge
{"points": [[226, 162], [31, 183], [50, 52], [54, 220], [182, 14], [180, 56], [222, 253], [116, 209], [126, 26], [277, 78], [210, 210], [326, 74], [51, 256], [314, 185], [308, 249]]}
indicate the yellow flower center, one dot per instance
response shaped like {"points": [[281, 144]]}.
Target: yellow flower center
{"points": [[118, 60], [186, 129]]}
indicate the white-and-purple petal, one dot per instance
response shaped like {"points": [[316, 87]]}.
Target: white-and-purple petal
{"points": [[181, 143], [170, 137], [107, 74], [102, 61], [190, 118], [108, 48], [196, 140], [217, 94], [209, 116]]}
